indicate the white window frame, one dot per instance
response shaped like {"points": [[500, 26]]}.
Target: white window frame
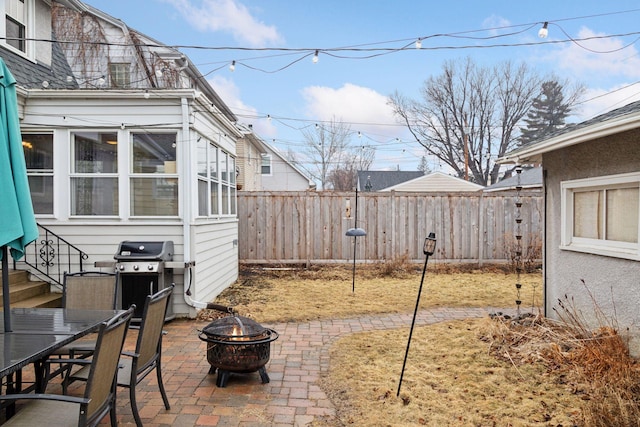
{"points": [[155, 177], [28, 21], [263, 158], [626, 250]]}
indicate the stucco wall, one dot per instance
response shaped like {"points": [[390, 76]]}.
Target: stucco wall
{"points": [[613, 283]]}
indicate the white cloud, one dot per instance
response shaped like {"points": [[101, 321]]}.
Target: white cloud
{"points": [[598, 59], [494, 23], [229, 16], [603, 100], [364, 108], [230, 94]]}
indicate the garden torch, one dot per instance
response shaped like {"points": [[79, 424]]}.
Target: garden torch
{"points": [[429, 249]]}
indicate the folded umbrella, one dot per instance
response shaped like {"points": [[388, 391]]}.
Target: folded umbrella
{"points": [[19, 226]]}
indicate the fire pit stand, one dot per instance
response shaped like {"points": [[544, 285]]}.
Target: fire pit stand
{"points": [[236, 344]]}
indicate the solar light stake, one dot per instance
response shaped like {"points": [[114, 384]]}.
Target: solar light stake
{"points": [[429, 249]]}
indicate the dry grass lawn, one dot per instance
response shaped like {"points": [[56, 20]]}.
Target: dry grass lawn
{"points": [[486, 372]]}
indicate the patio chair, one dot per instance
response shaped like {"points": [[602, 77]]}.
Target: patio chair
{"points": [[136, 365], [90, 290], [86, 290], [99, 393]]}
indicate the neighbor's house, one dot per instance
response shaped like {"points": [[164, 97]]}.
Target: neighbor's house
{"points": [[379, 180], [528, 180], [249, 150], [279, 174], [592, 229], [124, 140], [435, 182], [412, 181]]}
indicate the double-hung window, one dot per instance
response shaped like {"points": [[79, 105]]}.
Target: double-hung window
{"points": [[38, 155], [601, 215], [265, 166], [208, 179], [94, 174], [154, 178], [15, 23]]}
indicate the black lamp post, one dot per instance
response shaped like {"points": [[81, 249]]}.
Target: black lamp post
{"points": [[429, 249]]}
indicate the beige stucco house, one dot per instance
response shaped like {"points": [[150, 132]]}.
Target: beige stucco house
{"points": [[591, 180]]}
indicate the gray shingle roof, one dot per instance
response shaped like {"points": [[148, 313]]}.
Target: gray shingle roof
{"points": [[30, 75], [529, 178], [384, 179], [618, 112]]}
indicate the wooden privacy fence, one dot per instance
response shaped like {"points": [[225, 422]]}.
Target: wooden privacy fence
{"points": [[309, 227]]}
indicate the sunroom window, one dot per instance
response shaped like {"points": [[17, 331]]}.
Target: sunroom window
{"points": [[94, 174], [601, 215], [216, 181], [154, 178], [38, 155]]}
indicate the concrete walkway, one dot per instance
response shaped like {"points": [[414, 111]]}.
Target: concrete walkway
{"points": [[291, 398]]}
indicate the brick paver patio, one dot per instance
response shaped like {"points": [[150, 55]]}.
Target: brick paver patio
{"points": [[291, 398]]}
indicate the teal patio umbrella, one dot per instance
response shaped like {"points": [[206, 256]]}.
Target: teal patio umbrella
{"points": [[18, 221]]}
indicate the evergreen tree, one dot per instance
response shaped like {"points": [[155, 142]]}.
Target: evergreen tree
{"points": [[424, 165], [547, 113]]}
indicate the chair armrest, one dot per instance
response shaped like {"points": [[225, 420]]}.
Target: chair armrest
{"points": [[58, 397], [69, 361], [130, 354]]}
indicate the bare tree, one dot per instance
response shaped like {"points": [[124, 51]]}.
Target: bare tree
{"points": [[343, 177], [468, 116], [326, 148]]}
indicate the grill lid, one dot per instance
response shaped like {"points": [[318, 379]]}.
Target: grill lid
{"points": [[145, 250]]}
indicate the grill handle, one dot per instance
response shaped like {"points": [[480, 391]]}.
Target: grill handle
{"points": [[218, 307]]}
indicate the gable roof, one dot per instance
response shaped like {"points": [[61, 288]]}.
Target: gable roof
{"points": [[378, 180], [529, 178], [612, 122], [436, 182]]}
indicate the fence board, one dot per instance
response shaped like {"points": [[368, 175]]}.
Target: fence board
{"points": [[307, 227]]}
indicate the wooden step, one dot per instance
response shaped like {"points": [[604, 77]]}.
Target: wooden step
{"points": [[51, 300], [26, 293]]}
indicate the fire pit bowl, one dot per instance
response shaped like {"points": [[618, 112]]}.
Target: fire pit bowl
{"points": [[237, 344]]}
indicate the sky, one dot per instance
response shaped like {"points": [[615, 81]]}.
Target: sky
{"points": [[278, 89]]}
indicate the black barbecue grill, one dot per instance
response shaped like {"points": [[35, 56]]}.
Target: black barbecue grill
{"points": [[143, 271]]}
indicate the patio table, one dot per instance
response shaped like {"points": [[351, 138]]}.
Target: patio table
{"points": [[36, 332]]}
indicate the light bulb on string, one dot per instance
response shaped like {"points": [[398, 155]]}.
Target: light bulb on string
{"points": [[232, 67], [544, 31], [419, 44], [315, 57]]}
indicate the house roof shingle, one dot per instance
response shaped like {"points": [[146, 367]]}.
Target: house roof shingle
{"points": [[379, 180]]}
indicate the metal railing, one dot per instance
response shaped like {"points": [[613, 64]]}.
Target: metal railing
{"points": [[49, 256]]}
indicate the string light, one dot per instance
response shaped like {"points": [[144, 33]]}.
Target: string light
{"points": [[232, 67], [419, 44], [544, 31], [315, 57]]}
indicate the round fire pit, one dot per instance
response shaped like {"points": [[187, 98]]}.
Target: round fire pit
{"points": [[237, 344]]}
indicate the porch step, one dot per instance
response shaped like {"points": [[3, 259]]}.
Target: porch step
{"points": [[25, 293]]}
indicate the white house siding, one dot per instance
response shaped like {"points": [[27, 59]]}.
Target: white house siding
{"points": [[613, 282], [284, 177], [43, 32], [216, 258]]}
